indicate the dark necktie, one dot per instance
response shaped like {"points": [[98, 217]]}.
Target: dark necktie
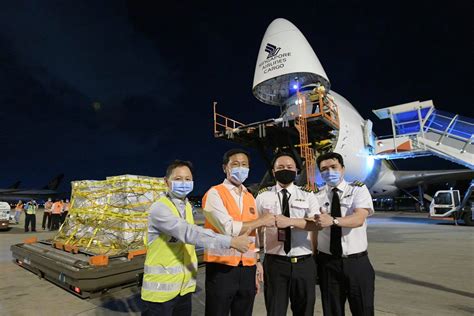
{"points": [[336, 231], [286, 211]]}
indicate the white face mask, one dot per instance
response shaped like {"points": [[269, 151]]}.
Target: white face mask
{"points": [[239, 174]]}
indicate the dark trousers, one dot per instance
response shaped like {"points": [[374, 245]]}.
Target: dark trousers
{"points": [[55, 219], [46, 216], [178, 306], [63, 216], [230, 289], [30, 218], [289, 282], [346, 278]]}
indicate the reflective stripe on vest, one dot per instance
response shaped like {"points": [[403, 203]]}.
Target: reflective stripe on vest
{"points": [[166, 287], [169, 270], [232, 257], [170, 265]]}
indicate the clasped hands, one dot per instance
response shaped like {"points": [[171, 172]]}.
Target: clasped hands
{"points": [[280, 221], [322, 220]]}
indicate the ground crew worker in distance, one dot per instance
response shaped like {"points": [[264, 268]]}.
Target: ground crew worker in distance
{"points": [[344, 268], [30, 215], [56, 210], [47, 214], [171, 263], [231, 280], [290, 272], [66, 207], [18, 210]]}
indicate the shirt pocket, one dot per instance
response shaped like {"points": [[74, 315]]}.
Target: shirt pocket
{"points": [[299, 208], [346, 201]]}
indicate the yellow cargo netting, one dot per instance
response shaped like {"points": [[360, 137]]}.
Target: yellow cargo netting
{"points": [[110, 216]]}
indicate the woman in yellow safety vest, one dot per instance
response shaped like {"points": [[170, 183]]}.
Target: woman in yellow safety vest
{"points": [[171, 263]]}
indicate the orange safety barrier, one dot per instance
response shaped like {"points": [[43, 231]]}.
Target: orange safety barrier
{"points": [[30, 240], [135, 253], [100, 260], [330, 114], [224, 124]]}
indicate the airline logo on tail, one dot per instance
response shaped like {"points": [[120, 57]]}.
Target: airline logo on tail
{"points": [[272, 50]]}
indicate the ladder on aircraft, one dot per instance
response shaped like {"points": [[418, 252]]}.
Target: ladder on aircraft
{"points": [[418, 129], [306, 152]]}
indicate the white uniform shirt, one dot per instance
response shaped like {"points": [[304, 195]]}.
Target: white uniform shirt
{"points": [[354, 240], [217, 214], [302, 204]]}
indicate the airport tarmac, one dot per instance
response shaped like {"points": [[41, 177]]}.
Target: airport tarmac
{"points": [[423, 267]]}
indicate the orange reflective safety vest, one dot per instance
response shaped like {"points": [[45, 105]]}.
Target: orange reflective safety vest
{"points": [[232, 257], [57, 208]]}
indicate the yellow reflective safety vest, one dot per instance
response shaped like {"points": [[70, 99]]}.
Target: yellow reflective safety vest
{"points": [[30, 209], [170, 265]]}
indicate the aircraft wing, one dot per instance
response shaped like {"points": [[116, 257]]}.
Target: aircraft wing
{"points": [[407, 179]]}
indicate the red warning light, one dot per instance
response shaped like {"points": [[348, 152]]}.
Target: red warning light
{"points": [[77, 290]]}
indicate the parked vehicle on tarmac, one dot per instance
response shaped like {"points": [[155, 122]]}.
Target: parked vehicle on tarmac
{"points": [[4, 215], [448, 203]]}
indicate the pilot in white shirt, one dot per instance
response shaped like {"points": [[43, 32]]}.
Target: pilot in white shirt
{"points": [[344, 268], [289, 270], [351, 195]]}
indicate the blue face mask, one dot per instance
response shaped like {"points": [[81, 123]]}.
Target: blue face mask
{"points": [[181, 188], [331, 177], [239, 174]]}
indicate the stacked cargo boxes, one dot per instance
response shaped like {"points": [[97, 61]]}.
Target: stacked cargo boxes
{"points": [[110, 216]]}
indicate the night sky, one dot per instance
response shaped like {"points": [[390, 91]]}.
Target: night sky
{"points": [[98, 88]]}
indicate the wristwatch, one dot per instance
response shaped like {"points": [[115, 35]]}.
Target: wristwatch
{"points": [[335, 221]]}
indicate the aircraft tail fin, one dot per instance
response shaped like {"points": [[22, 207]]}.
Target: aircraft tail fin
{"points": [[54, 183], [15, 185]]}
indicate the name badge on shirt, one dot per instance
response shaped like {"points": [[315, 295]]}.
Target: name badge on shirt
{"points": [[281, 234]]}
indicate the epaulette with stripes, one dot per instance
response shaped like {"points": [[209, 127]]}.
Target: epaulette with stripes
{"points": [[307, 188], [358, 183], [264, 190]]}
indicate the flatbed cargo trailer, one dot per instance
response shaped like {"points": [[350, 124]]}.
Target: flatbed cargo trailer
{"points": [[74, 271]]}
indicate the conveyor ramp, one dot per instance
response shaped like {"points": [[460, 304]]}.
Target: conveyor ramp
{"points": [[418, 129]]}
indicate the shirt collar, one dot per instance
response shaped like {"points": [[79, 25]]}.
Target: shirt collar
{"points": [[340, 187], [290, 188], [232, 187]]}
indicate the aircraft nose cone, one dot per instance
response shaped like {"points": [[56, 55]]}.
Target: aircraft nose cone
{"points": [[279, 25], [285, 55]]}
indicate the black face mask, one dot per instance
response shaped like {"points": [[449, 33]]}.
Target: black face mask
{"points": [[285, 176]]}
